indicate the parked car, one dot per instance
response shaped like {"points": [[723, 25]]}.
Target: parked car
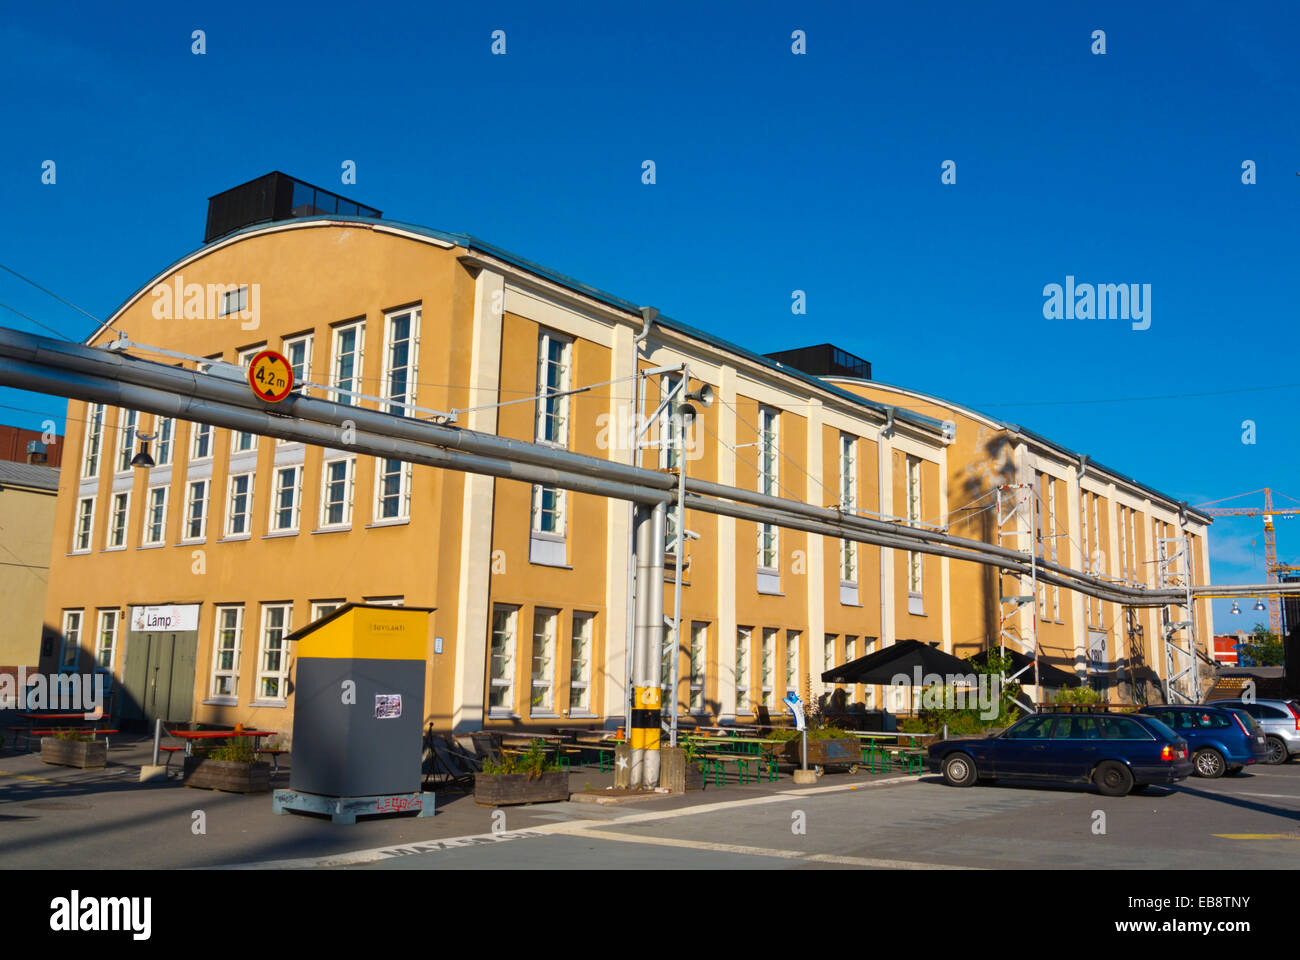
{"points": [[1221, 739], [1280, 720], [1116, 753]]}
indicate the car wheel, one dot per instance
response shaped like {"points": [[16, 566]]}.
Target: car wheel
{"points": [[1277, 751], [959, 770], [1209, 763], [1112, 778]]}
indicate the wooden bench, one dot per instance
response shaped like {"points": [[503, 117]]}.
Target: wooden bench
{"points": [[273, 752]]}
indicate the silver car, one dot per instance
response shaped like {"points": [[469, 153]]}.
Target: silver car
{"points": [[1280, 720]]}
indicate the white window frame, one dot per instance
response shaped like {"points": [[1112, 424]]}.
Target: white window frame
{"points": [[234, 301], [116, 618], [769, 482], [581, 647], [296, 507], [188, 521], [230, 673], [73, 620], [145, 539], [126, 425], [200, 431], [792, 640], [553, 411], [848, 503], [300, 376], [115, 536], [241, 441], [230, 533], [323, 608], [84, 531], [699, 666], [92, 445], [164, 429], [508, 643], [349, 479], [915, 560], [541, 675], [396, 402], [767, 664], [561, 502], [743, 673], [385, 601], [281, 674], [355, 381], [403, 491]]}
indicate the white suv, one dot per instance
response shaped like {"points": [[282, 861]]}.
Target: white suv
{"points": [[1280, 720]]}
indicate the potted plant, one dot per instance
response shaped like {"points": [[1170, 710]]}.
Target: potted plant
{"points": [[681, 768], [74, 748], [527, 777], [232, 767], [826, 746]]}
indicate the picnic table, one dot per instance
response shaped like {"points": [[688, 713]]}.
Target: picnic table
{"points": [[189, 736], [738, 750], [875, 749], [44, 717]]}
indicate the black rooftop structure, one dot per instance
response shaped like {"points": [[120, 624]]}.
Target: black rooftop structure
{"points": [[824, 360], [275, 196]]}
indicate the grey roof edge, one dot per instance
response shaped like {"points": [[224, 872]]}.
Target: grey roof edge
{"points": [[470, 242], [38, 476], [1045, 442]]}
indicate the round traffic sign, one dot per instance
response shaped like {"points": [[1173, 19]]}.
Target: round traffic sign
{"points": [[270, 376]]}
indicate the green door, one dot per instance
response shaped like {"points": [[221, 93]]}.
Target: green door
{"points": [[158, 678]]}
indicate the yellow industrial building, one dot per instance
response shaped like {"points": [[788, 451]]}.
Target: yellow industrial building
{"points": [[182, 580]]}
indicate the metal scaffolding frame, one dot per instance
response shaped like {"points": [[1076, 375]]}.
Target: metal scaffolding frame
{"points": [[1178, 617], [1013, 498]]}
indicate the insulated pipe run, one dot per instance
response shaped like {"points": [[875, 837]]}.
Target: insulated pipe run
{"points": [[27, 376], [643, 529]]}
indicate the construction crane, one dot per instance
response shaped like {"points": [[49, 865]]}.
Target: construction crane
{"points": [[1271, 567]]}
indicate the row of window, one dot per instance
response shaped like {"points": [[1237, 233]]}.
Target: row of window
{"points": [[397, 392], [756, 665], [548, 651], [391, 503], [227, 644]]}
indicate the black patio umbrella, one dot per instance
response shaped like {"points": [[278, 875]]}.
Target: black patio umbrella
{"points": [[898, 660], [1048, 675]]}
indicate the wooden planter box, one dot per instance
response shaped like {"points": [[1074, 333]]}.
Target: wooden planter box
{"points": [[822, 753], [74, 753], [504, 789], [227, 775], [676, 773]]}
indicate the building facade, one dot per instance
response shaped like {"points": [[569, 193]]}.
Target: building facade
{"points": [[181, 581]]}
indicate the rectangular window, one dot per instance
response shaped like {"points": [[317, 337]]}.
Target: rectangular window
{"points": [[164, 428], [744, 636], [71, 640], [234, 301], [848, 503], [828, 651], [286, 499], [768, 483], [767, 665], [401, 348], [699, 654], [106, 643], [196, 510], [792, 661], [384, 601], [914, 558], [85, 524], [548, 510], [670, 440], [118, 521], [336, 493], [392, 490], [273, 662], [200, 441], [155, 516], [297, 350], [323, 608], [580, 648], [542, 696], [225, 651], [239, 505], [239, 440], [94, 436], [502, 662], [1054, 546], [126, 420], [554, 359], [345, 367]]}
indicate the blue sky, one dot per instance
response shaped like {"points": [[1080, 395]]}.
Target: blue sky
{"points": [[775, 172]]}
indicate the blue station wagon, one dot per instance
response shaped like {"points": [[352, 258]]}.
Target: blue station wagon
{"points": [[1117, 754], [1221, 739]]}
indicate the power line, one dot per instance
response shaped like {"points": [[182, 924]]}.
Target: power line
{"points": [[98, 322]]}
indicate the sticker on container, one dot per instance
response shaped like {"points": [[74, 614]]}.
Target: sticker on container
{"points": [[388, 706]]}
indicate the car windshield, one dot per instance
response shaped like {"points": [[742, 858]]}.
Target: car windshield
{"points": [[1161, 728]]}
